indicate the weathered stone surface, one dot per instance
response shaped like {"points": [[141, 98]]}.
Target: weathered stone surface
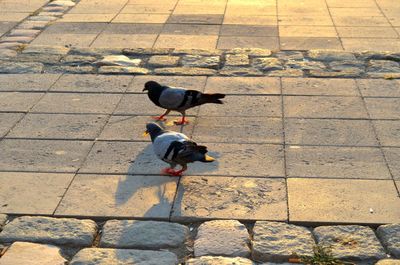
{"points": [[78, 59], [61, 3], [20, 39], [143, 234], [20, 68], [330, 55], [185, 71], [52, 8], [59, 231], [290, 55], [343, 65], [100, 52], [46, 49], [163, 61], [29, 24], [39, 57], [286, 73], [24, 32], [201, 61], [42, 18], [11, 45], [146, 51], [71, 69], [3, 219], [277, 242], [23, 253], [366, 55], [268, 64], [350, 242], [201, 52], [305, 65], [388, 262], [107, 256], [119, 60], [383, 66], [209, 260], [348, 72], [7, 53], [237, 60], [239, 71], [251, 52], [222, 238], [123, 70], [390, 238]]}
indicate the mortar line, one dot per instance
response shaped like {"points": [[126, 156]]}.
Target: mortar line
{"points": [[220, 25], [334, 25], [388, 20], [164, 24]]}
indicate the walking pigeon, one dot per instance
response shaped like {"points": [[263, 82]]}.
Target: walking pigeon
{"points": [[175, 148], [178, 99]]}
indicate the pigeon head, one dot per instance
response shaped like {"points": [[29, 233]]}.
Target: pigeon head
{"points": [[154, 130], [151, 85]]}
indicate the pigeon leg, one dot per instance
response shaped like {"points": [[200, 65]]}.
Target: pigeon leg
{"points": [[161, 118], [168, 171], [183, 121], [179, 172]]}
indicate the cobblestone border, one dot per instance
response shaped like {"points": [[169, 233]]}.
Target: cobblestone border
{"points": [[235, 62]]}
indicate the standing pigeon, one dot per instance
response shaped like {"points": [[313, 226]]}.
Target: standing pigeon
{"points": [[178, 99], [175, 148]]}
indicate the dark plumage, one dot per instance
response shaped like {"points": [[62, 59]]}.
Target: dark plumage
{"points": [[178, 99], [176, 149]]}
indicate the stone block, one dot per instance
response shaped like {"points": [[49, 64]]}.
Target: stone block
{"points": [[390, 237], [211, 260], [163, 61]]}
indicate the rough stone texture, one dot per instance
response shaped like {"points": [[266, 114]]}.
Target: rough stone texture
{"points": [[7, 53], [268, 64], [347, 72], [24, 32], [146, 51], [185, 71], [42, 18], [163, 61], [201, 61], [222, 238], [119, 60], [287, 73], [237, 60], [143, 234], [29, 24], [330, 55], [22, 253], [383, 66], [202, 198], [46, 49], [390, 238], [123, 70], [20, 68], [251, 52], [38, 57], [277, 242], [239, 71], [78, 59], [11, 45], [202, 52], [71, 69], [343, 65], [305, 65], [388, 262], [20, 39], [59, 231], [107, 256], [350, 242], [289, 55], [208, 260], [3, 219]]}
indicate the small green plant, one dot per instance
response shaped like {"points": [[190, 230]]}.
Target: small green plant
{"points": [[322, 256]]}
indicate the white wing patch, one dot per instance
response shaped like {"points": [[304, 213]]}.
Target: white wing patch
{"points": [[162, 142]]}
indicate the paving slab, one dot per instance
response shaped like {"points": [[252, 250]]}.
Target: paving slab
{"points": [[7, 121], [32, 193], [58, 231], [92, 83], [119, 196], [231, 42], [186, 41], [390, 238], [76, 40], [143, 234], [190, 29], [23, 253], [27, 82], [388, 262], [351, 242], [245, 106], [328, 107], [78, 103], [278, 242], [320, 87], [324, 201], [105, 40], [393, 157], [74, 28], [188, 82], [212, 260], [383, 108], [329, 132], [200, 198], [106, 256], [238, 130], [388, 132], [42, 155], [306, 43], [336, 162], [222, 238], [379, 87], [59, 126], [17, 101], [243, 85]]}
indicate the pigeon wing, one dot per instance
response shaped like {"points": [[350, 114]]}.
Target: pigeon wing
{"points": [[172, 98]]}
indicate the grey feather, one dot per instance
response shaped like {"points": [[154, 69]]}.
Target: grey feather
{"points": [[172, 97]]}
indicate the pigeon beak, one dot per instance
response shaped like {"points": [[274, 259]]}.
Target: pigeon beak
{"points": [[144, 89], [145, 133]]}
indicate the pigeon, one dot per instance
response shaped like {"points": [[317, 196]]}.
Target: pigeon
{"points": [[175, 148], [178, 99]]}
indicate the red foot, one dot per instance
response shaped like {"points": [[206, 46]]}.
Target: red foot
{"points": [[159, 118], [170, 172], [181, 122]]}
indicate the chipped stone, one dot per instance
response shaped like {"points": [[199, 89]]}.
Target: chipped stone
{"points": [[383, 66], [251, 52], [3, 219], [78, 59], [390, 238], [348, 72], [185, 71], [107, 256], [23, 253], [20, 68], [118, 60], [350, 242], [330, 55], [201, 61], [222, 238], [277, 242], [290, 55], [143, 234], [123, 70], [343, 65], [367, 55], [240, 71], [163, 61], [46, 49], [268, 64], [199, 52], [208, 260], [237, 60], [146, 51], [305, 65], [59, 231]]}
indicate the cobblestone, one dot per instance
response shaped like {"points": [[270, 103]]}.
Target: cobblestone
{"points": [[383, 66], [330, 55], [3, 219], [201, 61], [222, 238], [59, 231], [237, 60], [143, 234], [305, 65], [390, 238], [119, 60], [163, 61], [277, 242], [268, 64], [351, 242], [208, 260], [251, 52]]}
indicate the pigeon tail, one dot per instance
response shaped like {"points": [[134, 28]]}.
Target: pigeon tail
{"points": [[212, 98]]}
